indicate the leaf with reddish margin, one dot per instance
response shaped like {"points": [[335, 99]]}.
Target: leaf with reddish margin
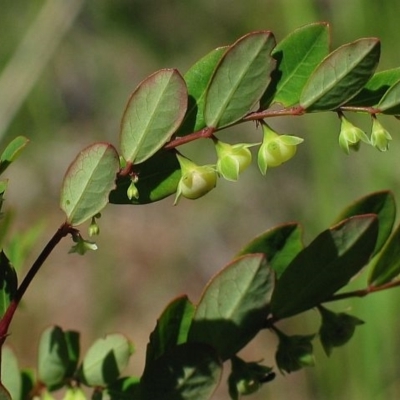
{"points": [[154, 112], [88, 182]]}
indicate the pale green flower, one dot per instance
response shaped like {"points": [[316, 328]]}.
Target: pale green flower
{"points": [[380, 137], [196, 180], [350, 136], [232, 159], [276, 149]]}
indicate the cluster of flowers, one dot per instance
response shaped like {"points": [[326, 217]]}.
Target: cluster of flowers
{"points": [[350, 136], [197, 180]]}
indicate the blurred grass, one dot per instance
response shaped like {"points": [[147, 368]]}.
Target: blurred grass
{"points": [[148, 255]]}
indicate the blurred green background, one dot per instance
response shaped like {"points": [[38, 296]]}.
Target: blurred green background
{"points": [[67, 69]]}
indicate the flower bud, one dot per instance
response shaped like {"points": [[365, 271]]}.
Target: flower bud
{"points": [[232, 159], [94, 228], [350, 136], [132, 192], [196, 180], [74, 394], [276, 149], [380, 137]]}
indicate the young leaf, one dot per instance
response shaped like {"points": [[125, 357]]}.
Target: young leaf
{"points": [[73, 347], [197, 79], [154, 112], [325, 266], [387, 265], [105, 360], [376, 87], [11, 376], [380, 203], [8, 283], [88, 182], [297, 56], [154, 183], [53, 358], [186, 372], [234, 305], [240, 79], [172, 328], [280, 245], [341, 75], [12, 151]]}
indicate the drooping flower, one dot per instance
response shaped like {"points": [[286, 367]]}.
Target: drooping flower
{"points": [[276, 149], [350, 136], [196, 180], [380, 137], [232, 159]]}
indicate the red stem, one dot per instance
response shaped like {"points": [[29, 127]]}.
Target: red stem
{"points": [[5, 322]]}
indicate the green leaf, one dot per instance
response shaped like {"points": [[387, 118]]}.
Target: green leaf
{"points": [[186, 372], [124, 389], [8, 283], [380, 203], [390, 102], [234, 305], [88, 182], [280, 245], [105, 360], [53, 359], [294, 352], [158, 177], [341, 75], [297, 56], [336, 329], [240, 79], [325, 266], [387, 266], [172, 328], [376, 87], [28, 377], [197, 79], [11, 376], [154, 112], [12, 151], [73, 346]]}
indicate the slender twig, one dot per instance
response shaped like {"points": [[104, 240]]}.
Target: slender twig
{"points": [[63, 231], [364, 292], [205, 133]]}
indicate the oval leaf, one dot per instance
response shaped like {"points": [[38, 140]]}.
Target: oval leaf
{"points": [[341, 75], [325, 266], [240, 79], [233, 307], [297, 56], [172, 328], [188, 371], [197, 79], [380, 203], [280, 245], [53, 359], [105, 360], [154, 182], [11, 376], [153, 113], [88, 182]]}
